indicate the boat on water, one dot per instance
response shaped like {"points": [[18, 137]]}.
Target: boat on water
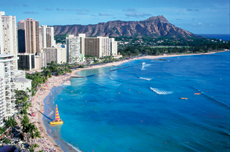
{"points": [[183, 98], [57, 120], [197, 93]]}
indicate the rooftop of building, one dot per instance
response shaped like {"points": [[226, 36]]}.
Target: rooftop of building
{"points": [[22, 80], [6, 57]]}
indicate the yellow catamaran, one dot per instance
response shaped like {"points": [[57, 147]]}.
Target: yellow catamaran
{"points": [[57, 120]]}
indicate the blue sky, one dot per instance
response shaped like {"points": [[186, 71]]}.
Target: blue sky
{"points": [[196, 16]]}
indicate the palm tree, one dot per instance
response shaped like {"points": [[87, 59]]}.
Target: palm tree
{"points": [[25, 121], [10, 122]]}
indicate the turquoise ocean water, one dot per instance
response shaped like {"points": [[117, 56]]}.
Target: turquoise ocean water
{"points": [[136, 107]]}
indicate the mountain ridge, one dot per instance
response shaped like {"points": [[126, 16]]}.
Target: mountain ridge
{"points": [[155, 26]]}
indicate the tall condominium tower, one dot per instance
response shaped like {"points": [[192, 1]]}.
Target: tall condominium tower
{"points": [[46, 36], [28, 36], [8, 35], [7, 85], [73, 49]]}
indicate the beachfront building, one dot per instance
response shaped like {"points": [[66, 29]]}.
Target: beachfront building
{"points": [[57, 55], [46, 37], [61, 54], [7, 74], [100, 46], [21, 83], [2, 103], [73, 49], [8, 36], [40, 60]]}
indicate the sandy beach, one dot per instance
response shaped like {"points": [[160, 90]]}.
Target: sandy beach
{"points": [[47, 143]]}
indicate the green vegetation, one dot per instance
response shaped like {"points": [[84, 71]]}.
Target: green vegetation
{"points": [[37, 79], [29, 128], [10, 122], [149, 46], [33, 146], [61, 38], [6, 141], [2, 130]]}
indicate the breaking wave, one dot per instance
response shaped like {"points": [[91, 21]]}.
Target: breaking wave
{"points": [[161, 92], [75, 148], [144, 65], [148, 79]]}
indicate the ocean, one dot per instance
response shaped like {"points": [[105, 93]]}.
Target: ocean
{"points": [[225, 37], [137, 106]]}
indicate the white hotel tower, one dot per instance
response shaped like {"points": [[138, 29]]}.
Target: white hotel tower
{"points": [[7, 86], [8, 35]]}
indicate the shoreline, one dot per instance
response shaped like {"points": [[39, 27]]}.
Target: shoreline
{"points": [[47, 142]]}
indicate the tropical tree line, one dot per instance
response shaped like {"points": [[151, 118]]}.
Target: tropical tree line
{"points": [[134, 50]]}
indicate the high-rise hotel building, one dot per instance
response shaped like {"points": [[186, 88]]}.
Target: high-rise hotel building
{"points": [[28, 36], [28, 43], [46, 37], [100, 46], [8, 36]]}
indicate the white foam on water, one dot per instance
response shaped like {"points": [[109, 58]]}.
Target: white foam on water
{"points": [[145, 78], [75, 148], [144, 65], [161, 92]]}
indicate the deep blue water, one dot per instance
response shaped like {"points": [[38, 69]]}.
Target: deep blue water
{"points": [[225, 37], [137, 108]]}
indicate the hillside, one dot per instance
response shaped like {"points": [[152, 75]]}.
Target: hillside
{"points": [[153, 27]]}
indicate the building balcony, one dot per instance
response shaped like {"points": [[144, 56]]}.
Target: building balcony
{"points": [[6, 75], [6, 64], [11, 68]]}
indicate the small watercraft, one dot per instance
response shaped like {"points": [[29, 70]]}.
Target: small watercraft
{"points": [[183, 98], [197, 93], [57, 120]]}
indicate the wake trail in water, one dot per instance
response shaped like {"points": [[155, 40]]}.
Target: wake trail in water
{"points": [[108, 76], [160, 92], [50, 115], [211, 98]]}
